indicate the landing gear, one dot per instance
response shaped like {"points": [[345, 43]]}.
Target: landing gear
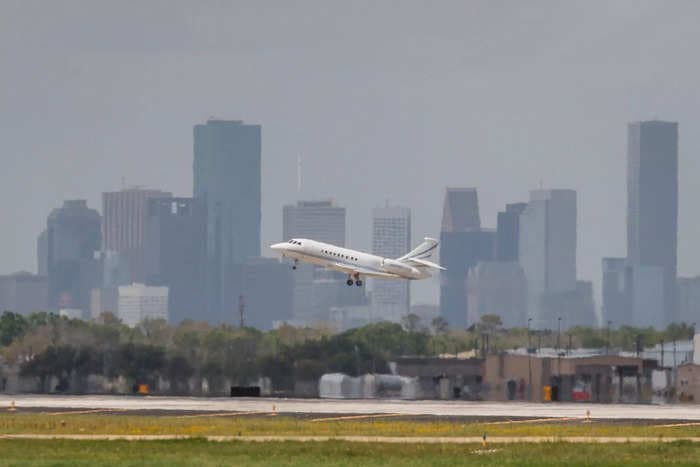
{"points": [[294, 266], [354, 278]]}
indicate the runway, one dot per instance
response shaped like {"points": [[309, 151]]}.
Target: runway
{"points": [[503, 410]]}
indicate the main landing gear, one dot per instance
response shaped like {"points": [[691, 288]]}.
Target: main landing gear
{"points": [[357, 280]]}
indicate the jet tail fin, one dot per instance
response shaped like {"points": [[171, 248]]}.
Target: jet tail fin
{"points": [[422, 251]]}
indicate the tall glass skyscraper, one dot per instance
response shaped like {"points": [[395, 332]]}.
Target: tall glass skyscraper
{"points": [[391, 238], [548, 251], [463, 244], [227, 164], [652, 204]]}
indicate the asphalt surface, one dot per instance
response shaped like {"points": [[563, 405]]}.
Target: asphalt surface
{"points": [[490, 410]]}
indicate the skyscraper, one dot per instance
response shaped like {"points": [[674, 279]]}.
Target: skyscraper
{"points": [[548, 249], [652, 203], [124, 227], [497, 288], [508, 232], [391, 238], [227, 177], [175, 249], [462, 245], [317, 290], [23, 293], [615, 304], [72, 238], [319, 220]]}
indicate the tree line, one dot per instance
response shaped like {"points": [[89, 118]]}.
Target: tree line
{"points": [[47, 346]]}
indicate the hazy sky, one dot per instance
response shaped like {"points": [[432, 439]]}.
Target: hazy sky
{"points": [[383, 100]]}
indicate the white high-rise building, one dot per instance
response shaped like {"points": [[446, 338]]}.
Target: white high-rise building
{"points": [[317, 290], [391, 238], [138, 302], [548, 249]]}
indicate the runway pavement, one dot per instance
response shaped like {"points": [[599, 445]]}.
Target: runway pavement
{"points": [[327, 406]]}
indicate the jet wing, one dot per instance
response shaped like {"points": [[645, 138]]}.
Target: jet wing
{"points": [[350, 269]]}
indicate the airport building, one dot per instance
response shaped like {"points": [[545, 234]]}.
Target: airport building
{"points": [[227, 178], [391, 238], [138, 302], [652, 209]]}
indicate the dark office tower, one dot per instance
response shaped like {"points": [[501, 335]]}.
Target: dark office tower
{"points": [[175, 249], [124, 225], [227, 158], [508, 232], [652, 203], [460, 212], [42, 253], [462, 245], [260, 293], [614, 292], [72, 238]]}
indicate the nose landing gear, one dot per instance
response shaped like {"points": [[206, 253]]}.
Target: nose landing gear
{"points": [[294, 266]]}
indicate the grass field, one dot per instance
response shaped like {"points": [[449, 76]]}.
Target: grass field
{"points": [[198, 451], [335, 453], [250, 425]]}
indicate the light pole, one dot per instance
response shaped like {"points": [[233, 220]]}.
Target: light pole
{"points": [[558, 334], [529, 362], [607, 350]]}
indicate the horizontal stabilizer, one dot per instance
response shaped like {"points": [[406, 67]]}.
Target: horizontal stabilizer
{"points": [[422, 262]]}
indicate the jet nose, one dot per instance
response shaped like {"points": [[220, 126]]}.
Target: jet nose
{"points": [[277, 246]]}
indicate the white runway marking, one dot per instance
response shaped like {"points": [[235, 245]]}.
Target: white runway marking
{"points": [[358, 407]]}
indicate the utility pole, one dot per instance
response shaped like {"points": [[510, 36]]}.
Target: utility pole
{"points": [[558, 334], [529, 362], [241, 310]]}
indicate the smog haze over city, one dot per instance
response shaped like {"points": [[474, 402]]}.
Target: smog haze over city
{"points": [[382, 101]]}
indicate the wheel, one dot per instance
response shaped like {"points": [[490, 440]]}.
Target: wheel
{"points": [[294, 267], [349, 282], [358, 283]]}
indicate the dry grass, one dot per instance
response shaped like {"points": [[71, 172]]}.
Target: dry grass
{"points": [[247, 425]]}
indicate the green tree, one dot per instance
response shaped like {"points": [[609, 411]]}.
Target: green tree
{"points": [[12, 326]]}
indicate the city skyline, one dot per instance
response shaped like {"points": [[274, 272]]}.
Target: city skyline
{"points": [[453, 112]]}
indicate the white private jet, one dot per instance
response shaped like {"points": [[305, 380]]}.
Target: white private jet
{"points": [[357, 264]]}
